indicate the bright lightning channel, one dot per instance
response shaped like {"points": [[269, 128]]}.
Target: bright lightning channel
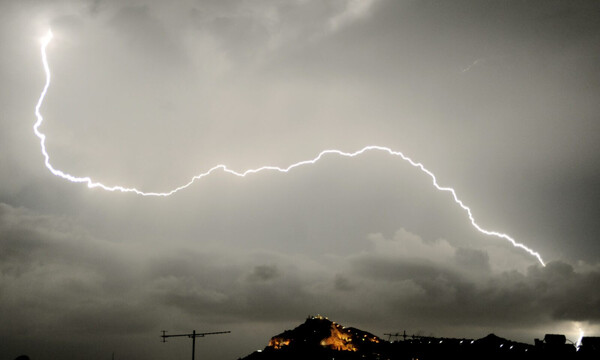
{"points": [[578, 343], [93, 184]]}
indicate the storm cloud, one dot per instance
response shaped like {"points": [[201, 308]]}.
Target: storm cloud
{"points": [[499, 100]]}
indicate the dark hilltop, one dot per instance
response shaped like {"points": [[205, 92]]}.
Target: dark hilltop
{"points": [[318, 338]]}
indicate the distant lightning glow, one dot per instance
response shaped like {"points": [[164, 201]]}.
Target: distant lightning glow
{"points": [[93, 184], [581, 335]]}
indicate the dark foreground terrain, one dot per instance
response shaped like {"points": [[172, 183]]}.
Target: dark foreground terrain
{"points": [[319, 338]]}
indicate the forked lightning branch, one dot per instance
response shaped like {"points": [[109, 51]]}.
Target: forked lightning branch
{"points": [[331, 152]]}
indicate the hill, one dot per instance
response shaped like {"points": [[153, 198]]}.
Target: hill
{"points": [[318, 338]]}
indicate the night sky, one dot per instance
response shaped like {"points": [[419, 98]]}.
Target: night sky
{"points": [[500, 99]]}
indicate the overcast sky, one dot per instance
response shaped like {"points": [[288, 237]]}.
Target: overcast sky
{"points": [[500, 99]]}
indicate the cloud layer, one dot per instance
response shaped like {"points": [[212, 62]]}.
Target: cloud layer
{"points": [[54, 274], [499, 100]]}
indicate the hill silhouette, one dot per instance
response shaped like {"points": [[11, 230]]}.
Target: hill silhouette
{"points": [[318, 338]]}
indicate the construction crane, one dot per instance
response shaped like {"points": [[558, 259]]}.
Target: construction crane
{"points": [[396, 335], [192, 336]]}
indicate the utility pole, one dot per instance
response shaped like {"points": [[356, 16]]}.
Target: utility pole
{"points": [[192, 336]]}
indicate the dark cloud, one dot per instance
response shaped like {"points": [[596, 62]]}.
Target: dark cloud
{"points": [[264, 273], [474, 260], [450, 291], [342, 283], [508, 299], [52, 272]]}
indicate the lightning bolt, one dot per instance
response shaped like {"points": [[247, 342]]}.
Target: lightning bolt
{"points": [[581, 335], [117, 188]]}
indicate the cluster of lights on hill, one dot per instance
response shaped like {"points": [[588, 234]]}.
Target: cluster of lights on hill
{"points": [[345, 339], [118, 188], [333, 336], [320, 338]]}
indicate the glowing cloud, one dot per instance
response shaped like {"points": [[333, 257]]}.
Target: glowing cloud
{"points": [[118, 188]]}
